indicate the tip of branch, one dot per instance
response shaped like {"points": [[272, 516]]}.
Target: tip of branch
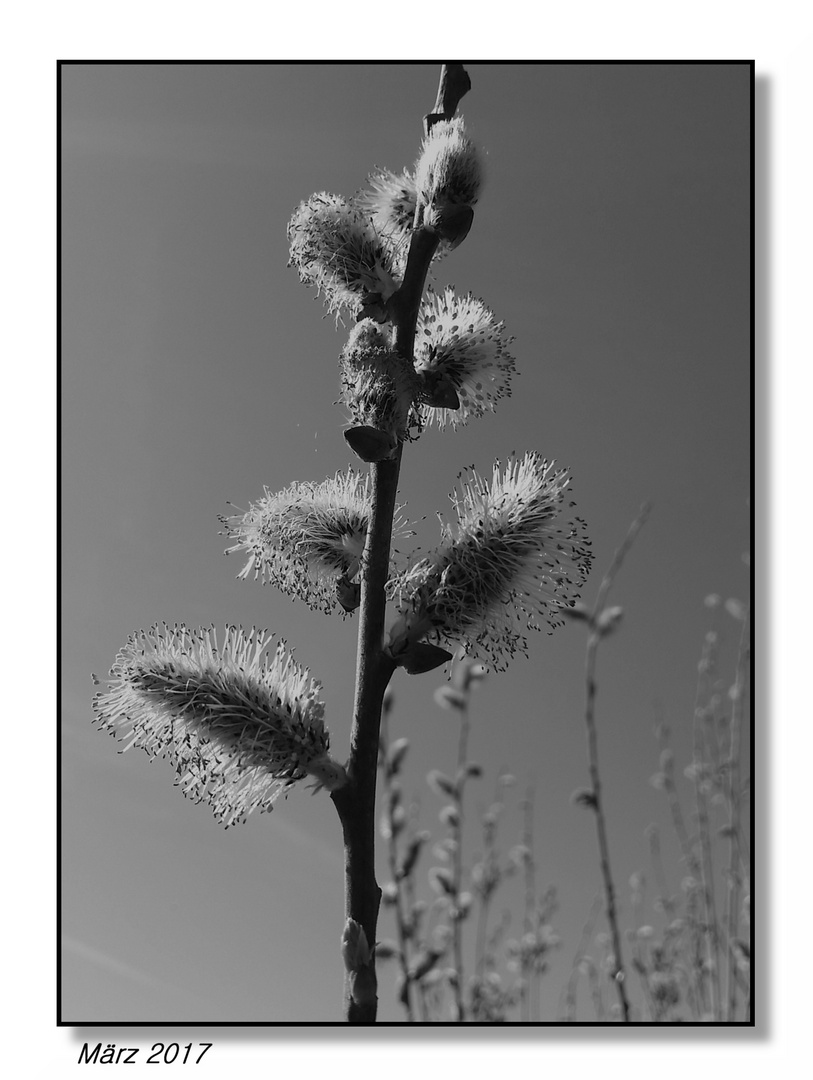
{"points": [[454, 84]]}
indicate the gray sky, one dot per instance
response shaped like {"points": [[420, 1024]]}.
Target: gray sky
{"points": [[613, 238]]}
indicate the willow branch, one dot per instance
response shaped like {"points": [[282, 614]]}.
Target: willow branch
{"points": [[355, 802]]}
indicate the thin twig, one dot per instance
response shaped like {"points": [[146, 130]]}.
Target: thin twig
{"points": [[618, 974], [529, 869], [457, 862], [706, 864], [692, 864], [392, 859], [734, 871]]}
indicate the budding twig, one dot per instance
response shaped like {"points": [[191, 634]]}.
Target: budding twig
{"points": [[619, 975], [355, 802]]}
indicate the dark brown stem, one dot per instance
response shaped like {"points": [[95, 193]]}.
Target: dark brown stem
{"points": [[355, 802], [454, 83]]}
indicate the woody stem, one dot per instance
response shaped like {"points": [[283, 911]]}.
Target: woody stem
{"points": [[355, 802]]}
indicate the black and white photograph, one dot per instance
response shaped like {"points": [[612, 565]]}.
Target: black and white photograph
{"points": [[406, 493]]}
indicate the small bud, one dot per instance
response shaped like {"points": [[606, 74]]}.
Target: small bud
{"points": [[520, 854], [584, 797], [440, 852], [441, 880], [358, 963], [472, 769], [386, 950], [363, 985], [736, 609], [397, 753], [451, 221], [421, 657], [355, 950], [449, 698], [369, 443], [424, 963], [608, 620], [348, 593], [438, 392], [440, 783], [475, 673], [397, 819], [412, 854]]}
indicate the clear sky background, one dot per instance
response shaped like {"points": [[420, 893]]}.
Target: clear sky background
{"points": [[612, 237]]}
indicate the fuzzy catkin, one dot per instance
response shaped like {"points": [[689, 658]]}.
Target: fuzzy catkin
{"points": [[335, 247], [238, 726], [507, 565], [379, 386]]}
